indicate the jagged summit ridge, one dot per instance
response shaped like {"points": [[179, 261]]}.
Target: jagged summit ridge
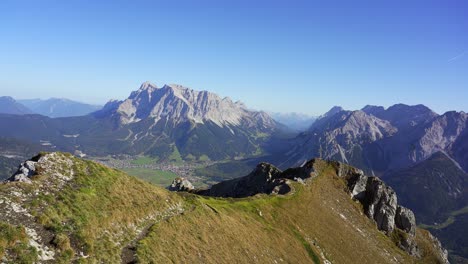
{"points": [[179, 103]]}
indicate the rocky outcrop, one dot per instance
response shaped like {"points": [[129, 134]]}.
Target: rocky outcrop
{"points": [[25, 171], [443, 253], [181, 185], [405, 220], [265, 178], [380, 204], [56, 165]]}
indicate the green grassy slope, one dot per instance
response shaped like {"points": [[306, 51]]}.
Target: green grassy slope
{"points": [[90, 217], [83, 212], [318, 222]]}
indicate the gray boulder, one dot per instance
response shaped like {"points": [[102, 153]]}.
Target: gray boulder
{"points": [[405, 220]]}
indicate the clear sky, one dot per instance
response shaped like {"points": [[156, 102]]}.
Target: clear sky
{"points": [[302, 56]]}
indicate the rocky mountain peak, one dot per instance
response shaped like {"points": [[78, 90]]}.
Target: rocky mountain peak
{"points": [[148, 86], [7, 99], [334, 110], [8, 105], [405, 116], [57, 165], [178, 104]]}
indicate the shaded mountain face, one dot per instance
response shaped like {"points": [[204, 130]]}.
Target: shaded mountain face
{"points": [[402, 116], [436, 189], [53, 213], [172, 122], [433, 187], [59, 107], [8, 105]]}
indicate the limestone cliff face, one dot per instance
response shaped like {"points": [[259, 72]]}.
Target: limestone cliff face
{"points": [[179, 104], [338, 135], [156, 121]]}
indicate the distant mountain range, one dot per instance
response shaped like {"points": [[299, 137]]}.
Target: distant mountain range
{"points": [[59, 107], [8, 105], [381, 140], [296, 121], [172, 122], [53, 107]]}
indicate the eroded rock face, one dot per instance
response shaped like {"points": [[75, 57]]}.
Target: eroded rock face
{"points": [[181, 185], [405, 220], [24, 173], [265, 178], [442, 251], [380, 204]]}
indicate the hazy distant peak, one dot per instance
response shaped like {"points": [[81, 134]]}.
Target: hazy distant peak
{"points": [[8, 105], [373, 109], [59, 107], [334, 110], [7, 98], [418, 107]]}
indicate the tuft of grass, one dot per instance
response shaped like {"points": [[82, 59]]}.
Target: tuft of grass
{"points": [[14, 241], [158, 177], [307, 246]]}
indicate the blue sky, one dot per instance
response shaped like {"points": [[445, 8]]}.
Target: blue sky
{"points": [[302, 56]]}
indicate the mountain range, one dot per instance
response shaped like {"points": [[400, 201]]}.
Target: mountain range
{"points": [[58, 107], [8, 105], [296, 121], [172, 122], [53, 107], [422, 155]]}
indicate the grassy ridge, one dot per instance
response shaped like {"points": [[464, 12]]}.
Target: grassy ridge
{"points": [[105, 216], [319, 221]]}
